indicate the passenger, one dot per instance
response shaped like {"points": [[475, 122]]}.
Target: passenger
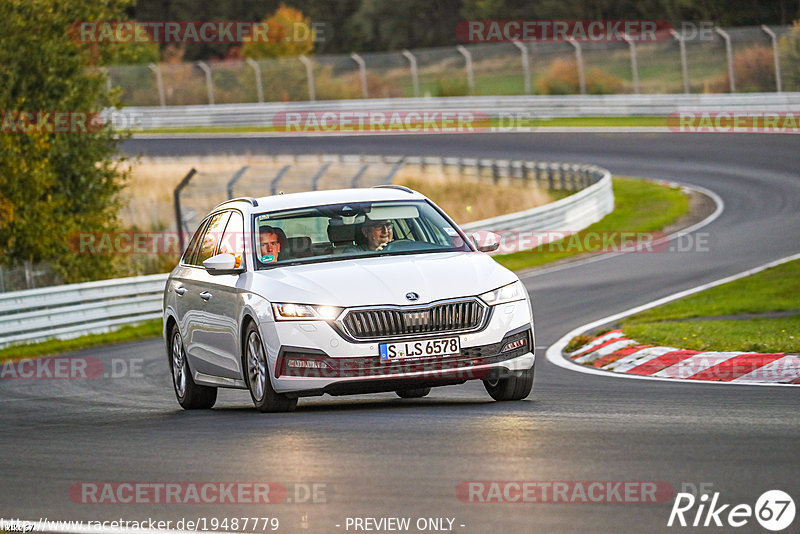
{"points": [[271, 241], [377, 234]]}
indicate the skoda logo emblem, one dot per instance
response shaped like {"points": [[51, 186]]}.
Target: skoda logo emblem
{"points": [[412, 296]]}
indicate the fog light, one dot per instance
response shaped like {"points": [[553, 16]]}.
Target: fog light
{"points": [[514, 344]]}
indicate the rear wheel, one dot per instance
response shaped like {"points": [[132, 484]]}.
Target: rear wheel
{"points": [[190, 395], [414, 393], [515, 387], [257, 374]]}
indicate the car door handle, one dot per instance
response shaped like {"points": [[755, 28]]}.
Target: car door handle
{"points": [[205, 295], [180, 290]]}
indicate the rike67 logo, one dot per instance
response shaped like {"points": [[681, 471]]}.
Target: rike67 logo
{"points": [[774, 510]]}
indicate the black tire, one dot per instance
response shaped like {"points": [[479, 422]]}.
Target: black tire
{"points": [[190, 395], [415, 393], [510, 388], [256, 372]]}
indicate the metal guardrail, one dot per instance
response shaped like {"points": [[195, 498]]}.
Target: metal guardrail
{"points": [[508, 107], [594, 201], [73, 310]]}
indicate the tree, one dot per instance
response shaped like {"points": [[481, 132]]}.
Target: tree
{"points": [[56, 185], [289, 34]]}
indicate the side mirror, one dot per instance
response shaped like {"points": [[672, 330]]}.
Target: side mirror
{"points": [[486, 241], [222, 264]]}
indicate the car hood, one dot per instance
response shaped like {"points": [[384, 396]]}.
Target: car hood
{"points": [[383, 280]]}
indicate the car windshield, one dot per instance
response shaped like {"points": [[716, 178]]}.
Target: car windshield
{"points": [[357, 229]]}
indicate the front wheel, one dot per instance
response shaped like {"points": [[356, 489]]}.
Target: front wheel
{"points": [[515, 387], [190, 395], [257, 374]]}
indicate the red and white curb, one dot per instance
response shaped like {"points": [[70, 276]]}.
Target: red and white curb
{"points": [[616, 353]]}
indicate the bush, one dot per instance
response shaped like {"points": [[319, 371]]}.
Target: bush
{"points": [[790, 58], [753, 71], [561, 78]]}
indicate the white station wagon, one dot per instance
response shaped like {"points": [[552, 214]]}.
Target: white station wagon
{"points": [[342, 292]]}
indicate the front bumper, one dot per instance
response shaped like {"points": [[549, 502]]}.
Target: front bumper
{"points": [[328, 363]]}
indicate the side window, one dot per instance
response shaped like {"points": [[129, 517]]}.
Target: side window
{"points": [[233, 239], [191, 248], [211, 237]]}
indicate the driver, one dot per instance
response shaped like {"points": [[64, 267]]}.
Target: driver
{"points": [[271, 241], [377, 234]]}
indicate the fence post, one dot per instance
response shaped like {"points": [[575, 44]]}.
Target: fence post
{"points": [[729, 54], [318, 176], [414, 73], [684, 65], [159, 83], [362, 71], [470, 73], [209, 83], [273, 185], [259, 84], [357, 177], [634, 62], [526, 66], [105, 71], [235, 178], [774, 39], [176, 197], [579, 60], [397, 166], [312, 95]]}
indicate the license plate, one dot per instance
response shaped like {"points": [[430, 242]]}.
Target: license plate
{"points": [[420, 349]]}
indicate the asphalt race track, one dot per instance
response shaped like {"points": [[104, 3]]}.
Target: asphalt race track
{"points": [[378, 456]]}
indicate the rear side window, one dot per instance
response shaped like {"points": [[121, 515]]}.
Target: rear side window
{"points": [[191, 248], [211, 238], [233, 239]]}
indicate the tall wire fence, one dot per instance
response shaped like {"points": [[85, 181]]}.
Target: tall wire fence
{"points": [[744, 59]]}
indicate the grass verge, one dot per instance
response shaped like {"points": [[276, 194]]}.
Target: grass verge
{"points": [[147, 329], [653, 121], [722, 318], [639, 207]]}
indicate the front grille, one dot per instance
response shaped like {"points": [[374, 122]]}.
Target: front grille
{"points": [[457, 316]]}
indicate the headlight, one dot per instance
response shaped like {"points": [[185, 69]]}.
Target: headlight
{"points": [[509, 293], [304, 312]]}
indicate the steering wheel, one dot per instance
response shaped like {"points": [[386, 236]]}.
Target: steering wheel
{"points": [[400, 244]]}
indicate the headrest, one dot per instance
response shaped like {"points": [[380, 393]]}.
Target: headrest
{"points": [[298, 246], [339, 234]]}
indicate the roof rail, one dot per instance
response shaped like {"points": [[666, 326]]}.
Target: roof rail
{"points": [[393, 186], [253, 202]]}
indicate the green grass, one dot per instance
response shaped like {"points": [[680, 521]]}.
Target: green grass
{"points": [[773, 290], [533, 122], [640, 207], [147, 329], [480, 125], [750, 335]]}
